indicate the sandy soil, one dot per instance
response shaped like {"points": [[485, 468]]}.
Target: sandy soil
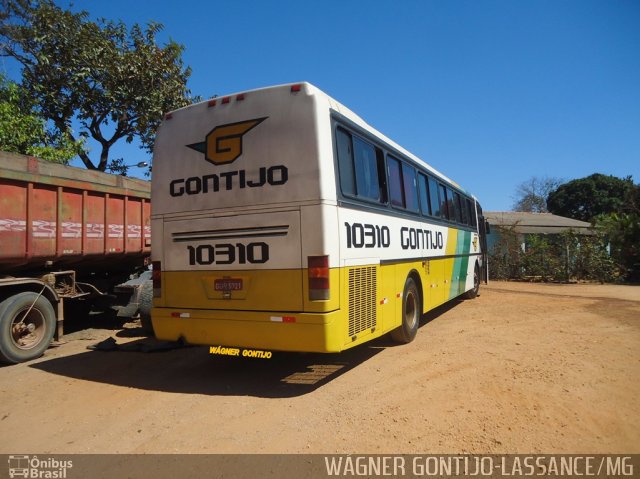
{"points": [[523, 368]]}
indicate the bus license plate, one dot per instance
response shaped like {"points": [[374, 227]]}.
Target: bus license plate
{"points": [[227, 284]]}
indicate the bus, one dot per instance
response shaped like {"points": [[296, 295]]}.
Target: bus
{"points": [[282, 221]]}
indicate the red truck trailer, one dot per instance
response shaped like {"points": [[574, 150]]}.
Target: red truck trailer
{"points": [[65, 234]]}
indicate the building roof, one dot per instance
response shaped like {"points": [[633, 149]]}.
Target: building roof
{"points": [[536, 223]]}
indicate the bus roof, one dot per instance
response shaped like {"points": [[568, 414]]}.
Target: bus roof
{"points": [[349, 114]]}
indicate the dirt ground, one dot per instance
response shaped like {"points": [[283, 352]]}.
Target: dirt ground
{"points": [[523, 368]]}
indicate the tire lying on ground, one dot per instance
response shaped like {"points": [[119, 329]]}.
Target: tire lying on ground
{"points": [[27, 325]]}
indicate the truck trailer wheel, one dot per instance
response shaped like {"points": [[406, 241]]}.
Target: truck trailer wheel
{"points": [[146, 303], [27, 324]]}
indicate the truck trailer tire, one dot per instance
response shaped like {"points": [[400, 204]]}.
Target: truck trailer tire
{"points": [[146, 303], [27, 324]]}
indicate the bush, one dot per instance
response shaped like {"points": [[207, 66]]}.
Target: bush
{"points": [[562, 257], [504, 256]]}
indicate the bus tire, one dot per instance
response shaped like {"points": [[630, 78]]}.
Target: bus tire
{"points": [[23, 338], [411, 312], [476, 284]]}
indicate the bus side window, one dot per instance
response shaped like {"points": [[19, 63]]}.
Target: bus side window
{"points": [[444, 210], [423, 192], [410, 190], [382, 176], [366, 166], [452, 202], [345, 162], [472, 213], [395, 182], [457, 207], [433, 197], [463, 209], [358, 165]]}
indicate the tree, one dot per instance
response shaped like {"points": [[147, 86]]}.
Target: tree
{"points": [[623, 230], [531, 195], [613, 205], [585, 198], [115, 82], [23, 131]]}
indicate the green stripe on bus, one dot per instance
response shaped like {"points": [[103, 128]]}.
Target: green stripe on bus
{"points": [[464, 266], [460, 264]]}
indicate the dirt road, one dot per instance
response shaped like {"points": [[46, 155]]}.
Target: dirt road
{"points": [[523, 368]]}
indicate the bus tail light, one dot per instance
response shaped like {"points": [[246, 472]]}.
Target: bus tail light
{"points": [[156, 276], [318, 277]]}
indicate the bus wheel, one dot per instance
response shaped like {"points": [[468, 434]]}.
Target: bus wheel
{"points": [[476, 284], [411, 312], [27, 324]]}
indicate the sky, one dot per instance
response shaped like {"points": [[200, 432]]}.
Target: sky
{"points": [[490, 93]]}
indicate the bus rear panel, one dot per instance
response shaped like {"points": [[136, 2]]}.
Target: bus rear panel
{"points": [[238, 210]]}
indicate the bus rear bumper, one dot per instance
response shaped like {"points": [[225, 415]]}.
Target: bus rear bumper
{"points": [[302, 332]]}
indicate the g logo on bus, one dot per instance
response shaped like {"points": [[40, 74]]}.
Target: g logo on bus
{"points": [[223, 144]]}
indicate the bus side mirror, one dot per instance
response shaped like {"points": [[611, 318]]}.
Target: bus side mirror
{"points": [[487, 228]]}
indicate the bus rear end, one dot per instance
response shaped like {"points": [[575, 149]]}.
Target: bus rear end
{"points": [[241, 222]]}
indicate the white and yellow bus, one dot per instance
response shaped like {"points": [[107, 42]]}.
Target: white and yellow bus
{"points": [[282, 221]]}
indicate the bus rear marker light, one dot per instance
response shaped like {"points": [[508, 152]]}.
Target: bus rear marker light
{"points": [[318, 273], [176, 314], [283, 319]]}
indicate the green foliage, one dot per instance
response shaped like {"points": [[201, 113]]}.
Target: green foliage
{"points": [[116, 82], [504, 256], [613, 205], [544, 258], [22, 130], [585, 198], [119, 167], [623, 231], [564, 257]]}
